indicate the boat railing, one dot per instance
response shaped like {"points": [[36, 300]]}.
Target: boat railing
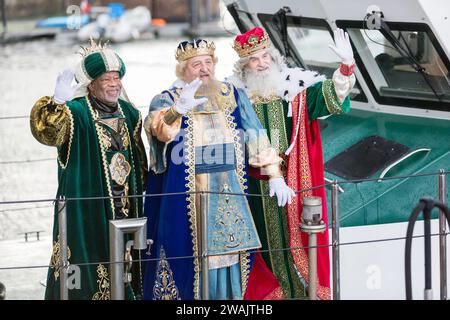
{"points": [[135, 227]]}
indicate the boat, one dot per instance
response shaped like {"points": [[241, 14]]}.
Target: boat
{"points": [[64, 22], [77, 16], [396, 133], [117, 25]]}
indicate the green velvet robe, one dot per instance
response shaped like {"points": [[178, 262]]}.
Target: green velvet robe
{"points": [[271, 220], [83, 171]]}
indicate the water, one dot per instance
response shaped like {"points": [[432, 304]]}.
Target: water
{"points": [[27, 72]]}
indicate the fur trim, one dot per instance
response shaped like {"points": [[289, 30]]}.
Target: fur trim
{"points": [[295, 80]]}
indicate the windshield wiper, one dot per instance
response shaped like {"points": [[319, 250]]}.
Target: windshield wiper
{"points": [[407, 54]]}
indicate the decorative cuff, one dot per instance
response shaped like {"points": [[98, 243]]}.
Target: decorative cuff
{"points": [[347, 70], [171, 116], [332, 102]]}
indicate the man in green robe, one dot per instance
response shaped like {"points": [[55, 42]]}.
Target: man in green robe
{"points": [[288, 102], [100, 154]]}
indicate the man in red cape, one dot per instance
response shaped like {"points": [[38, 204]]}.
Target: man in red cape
{"points": [[288, 102]]}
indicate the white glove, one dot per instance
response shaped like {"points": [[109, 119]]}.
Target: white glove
{"points": [[64, 90], [187, 100], [280, 188], [342, 46]]}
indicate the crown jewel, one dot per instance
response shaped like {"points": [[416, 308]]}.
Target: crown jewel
{"points": [[187, 50], [250, 42]]}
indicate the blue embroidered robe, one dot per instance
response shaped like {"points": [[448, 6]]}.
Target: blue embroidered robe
{"points": [[173, 220]]}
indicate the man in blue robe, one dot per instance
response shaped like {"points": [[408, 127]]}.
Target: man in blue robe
{"points": [[202, 134]]}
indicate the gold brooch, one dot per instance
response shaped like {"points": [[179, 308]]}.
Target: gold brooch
{"points": [[119, 168]]}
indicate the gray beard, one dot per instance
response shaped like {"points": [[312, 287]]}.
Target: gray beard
{"points": [[210, 90], [263, 84]]}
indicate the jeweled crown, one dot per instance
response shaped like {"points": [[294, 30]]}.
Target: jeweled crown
{"points": [[251, 42], [190, 49], [93, 47]]}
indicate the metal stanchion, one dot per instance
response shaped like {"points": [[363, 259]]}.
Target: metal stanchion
{"points": [[312, 224], [117, 230], [442, 237], [425, 205], [63, 259], [335, 240], [204, 248], [428, 291]]}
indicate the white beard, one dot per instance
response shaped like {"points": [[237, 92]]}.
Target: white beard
{"points": [[263, 84], [287, 83]]}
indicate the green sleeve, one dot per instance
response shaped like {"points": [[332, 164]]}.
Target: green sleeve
{"points": [[322, 100]]}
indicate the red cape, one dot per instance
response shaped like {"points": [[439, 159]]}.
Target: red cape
{"points": [[305, 170]]}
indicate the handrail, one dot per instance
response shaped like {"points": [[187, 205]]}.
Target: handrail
{"points": [[406, 156]]}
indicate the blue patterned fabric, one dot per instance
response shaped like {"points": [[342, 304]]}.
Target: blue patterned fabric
{"points": [[168, 275]]}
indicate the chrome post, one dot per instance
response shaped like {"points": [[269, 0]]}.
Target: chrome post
{"points": [[335, 240], [63, 259], [442, 236], [117, 230], [312, 224]]}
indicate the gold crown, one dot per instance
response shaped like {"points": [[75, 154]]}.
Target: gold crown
{"points": [[253, 44], [192, 49], [94, 47]]}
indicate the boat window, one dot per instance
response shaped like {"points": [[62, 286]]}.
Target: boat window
{"points": [[392, 62], [307, 46], [243, 19]]}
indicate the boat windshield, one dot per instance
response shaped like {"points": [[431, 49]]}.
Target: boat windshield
{"points": [[394, 73], [308, 41], [403, 65], [416, 76]]}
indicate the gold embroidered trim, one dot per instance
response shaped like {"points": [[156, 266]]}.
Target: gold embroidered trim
{"points": [[230, 107], [56, 255], [271, 97], [133, 179], [275, 115], [105, 138], [124, 137], [299, 255], [190, 185], [103, 292], [165, 287], [102, 145], [331, 100], [274, 236], [69, 145], [240, 166], [245, 270], [138, 125]]}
